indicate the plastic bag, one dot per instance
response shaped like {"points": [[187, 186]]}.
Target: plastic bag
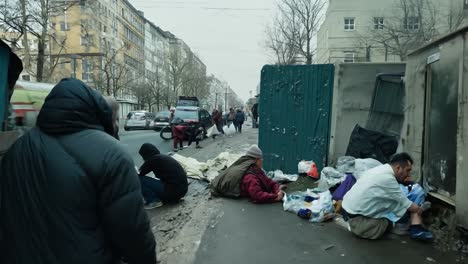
{"points": [[322, 207], [309, 168], [213, 131], [345, 164], [363, 165], [330, 177], [229, 130], [279, 176]]}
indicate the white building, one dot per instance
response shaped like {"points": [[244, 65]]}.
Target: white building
{"points": [[345, 35]]}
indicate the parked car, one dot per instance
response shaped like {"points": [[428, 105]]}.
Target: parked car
{"points": [[193, 114], [139, 119], [161, 120]]}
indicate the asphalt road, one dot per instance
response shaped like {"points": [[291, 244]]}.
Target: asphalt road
{"points": [[132, 141]]}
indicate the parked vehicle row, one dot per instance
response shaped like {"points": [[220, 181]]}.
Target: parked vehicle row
{"points": [[183, 115]]}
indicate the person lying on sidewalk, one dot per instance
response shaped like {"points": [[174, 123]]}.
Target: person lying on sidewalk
{"points": [[245, 178], [172, 184], [376, 201]]}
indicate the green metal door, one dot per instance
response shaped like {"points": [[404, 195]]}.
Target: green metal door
{"points": [[294, 115]]}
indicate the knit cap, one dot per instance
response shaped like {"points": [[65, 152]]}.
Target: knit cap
{"points": [[255, 152]]}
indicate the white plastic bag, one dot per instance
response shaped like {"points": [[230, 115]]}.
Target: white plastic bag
{"points": [[363, 165], [308, 167], [213, 131], [322, 209], [231, 130], [279, 176]]}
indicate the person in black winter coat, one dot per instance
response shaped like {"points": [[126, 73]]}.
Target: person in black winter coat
{"points": [[172, 184], [240, 118], [69, 192]]}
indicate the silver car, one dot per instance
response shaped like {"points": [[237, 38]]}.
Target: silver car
{"points": [[138, 120]]}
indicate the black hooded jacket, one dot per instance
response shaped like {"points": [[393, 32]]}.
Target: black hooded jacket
{"points": [[167, 169], [69, 193]]}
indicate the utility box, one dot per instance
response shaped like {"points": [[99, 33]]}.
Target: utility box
{"points": [[435, 131]]}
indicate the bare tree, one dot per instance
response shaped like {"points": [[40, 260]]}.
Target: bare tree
{"points": [[294, 27], [455, 17], [177, 68], [281, 47], [411, 24], [32, 17]]}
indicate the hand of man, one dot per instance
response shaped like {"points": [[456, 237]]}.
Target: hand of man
{"points": [[283, 187], [280, 196]]}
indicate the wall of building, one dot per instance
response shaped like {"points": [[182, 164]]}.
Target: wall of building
{"points": [[352, 98], [333, 40]]}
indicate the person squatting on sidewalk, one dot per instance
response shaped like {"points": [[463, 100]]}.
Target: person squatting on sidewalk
{"points": [[376, 201], [69, 191], [172, 184], [246, 178]]}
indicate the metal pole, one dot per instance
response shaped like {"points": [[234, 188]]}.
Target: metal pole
{"points": [[225, 101]]}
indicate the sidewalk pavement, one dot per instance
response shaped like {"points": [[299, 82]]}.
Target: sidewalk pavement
{"points": [[228, 231], [179, 228], [251, 233]]}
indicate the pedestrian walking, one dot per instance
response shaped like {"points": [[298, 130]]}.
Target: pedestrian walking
{"points": [[231, 118], [240, 118], [194, 134], [218, 120], [171, 184], [255, 115], [69, 191]]}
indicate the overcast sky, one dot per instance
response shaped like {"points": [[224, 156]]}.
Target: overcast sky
{"points": [[226, 34]]}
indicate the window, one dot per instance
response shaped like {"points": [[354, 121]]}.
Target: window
{"points": [[412, 23], [26, 77], [348, 57], [64, 26], [378, 22], [87, 68], [86, 40], [349, 24], [465, 6]]}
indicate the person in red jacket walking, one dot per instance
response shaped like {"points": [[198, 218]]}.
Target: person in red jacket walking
{"points": [[256, 185]]}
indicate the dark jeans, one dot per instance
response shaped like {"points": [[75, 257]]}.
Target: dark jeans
{"points": [[239, 127], [219, 126], [152, 189]]}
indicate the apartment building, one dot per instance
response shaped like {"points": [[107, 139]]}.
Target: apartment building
{"points": [[348, 33]]}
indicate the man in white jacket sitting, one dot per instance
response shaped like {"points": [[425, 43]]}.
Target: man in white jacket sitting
{"points": [[376, 201]]}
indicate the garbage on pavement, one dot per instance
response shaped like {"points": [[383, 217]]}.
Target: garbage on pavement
{"points": [[315, 207], [330, 177], [206, 170], [309, 168], [280, 177]]}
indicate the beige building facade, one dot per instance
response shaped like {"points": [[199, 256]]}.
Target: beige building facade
{"points": [[349, 29]]}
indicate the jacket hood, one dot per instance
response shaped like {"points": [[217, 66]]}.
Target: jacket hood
{"points": [[148, 150], [71, 107]]}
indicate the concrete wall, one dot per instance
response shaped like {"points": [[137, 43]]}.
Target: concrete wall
{"points": [[450, 53], [462, 148], [352, 98]]}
